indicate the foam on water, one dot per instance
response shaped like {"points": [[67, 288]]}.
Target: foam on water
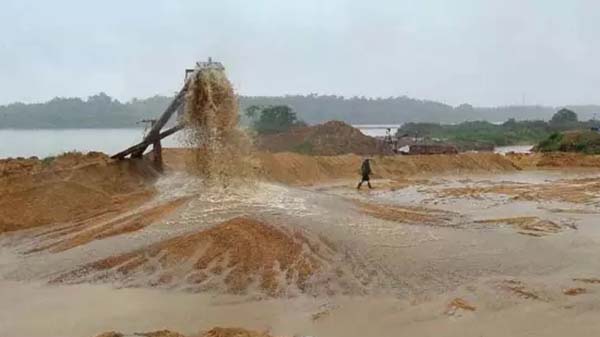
{"points": [[211, 204]]}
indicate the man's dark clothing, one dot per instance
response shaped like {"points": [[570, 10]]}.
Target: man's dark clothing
{"points": [[365, 171]]}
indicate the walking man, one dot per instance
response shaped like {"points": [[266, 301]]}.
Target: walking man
{"points": [[365, 171]]}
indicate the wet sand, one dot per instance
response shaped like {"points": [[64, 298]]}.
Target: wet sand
{"points": [[87, 310], [515, 281]]}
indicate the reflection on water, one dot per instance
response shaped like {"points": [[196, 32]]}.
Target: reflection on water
{"points": [[43, 143]]}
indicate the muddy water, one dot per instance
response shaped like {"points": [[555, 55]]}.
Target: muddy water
{"points": [[425, 266]]}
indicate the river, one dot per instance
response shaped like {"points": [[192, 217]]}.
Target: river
{"points": [[50, 142]]}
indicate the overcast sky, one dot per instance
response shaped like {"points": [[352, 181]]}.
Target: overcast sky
{"points": [[494, 52]]}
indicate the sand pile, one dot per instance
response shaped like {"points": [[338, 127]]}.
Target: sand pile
{"points": [[70, 188], [299, 169], [554, 160], [13, 166], [292, 168], [328, 139], [221, 151], [239, 256], [69, 160], [215, 332]]}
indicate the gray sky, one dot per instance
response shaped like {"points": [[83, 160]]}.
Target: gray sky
{"points": [[483, 52]]}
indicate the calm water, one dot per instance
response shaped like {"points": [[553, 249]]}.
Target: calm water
{"points": [[43, 143]]}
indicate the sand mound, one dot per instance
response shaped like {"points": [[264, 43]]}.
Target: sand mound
{"points": [[70, 188], [69, 160], [328, 139], [292, 168], [238, 256], [221, 151], [554, 160], [215, 332]]}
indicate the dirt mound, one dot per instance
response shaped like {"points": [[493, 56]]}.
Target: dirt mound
{"points": [[237, 256], [215, 332], [328, 139], [70, 188]]}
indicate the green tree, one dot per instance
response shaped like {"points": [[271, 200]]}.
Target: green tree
{"points": [[272, 119], [564, 116], [253, 111]]}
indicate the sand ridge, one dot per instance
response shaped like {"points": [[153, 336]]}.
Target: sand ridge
{"points": [[237, 256]]}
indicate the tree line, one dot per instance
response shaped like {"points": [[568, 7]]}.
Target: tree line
{"points": [[472, 135], [103, 111]]}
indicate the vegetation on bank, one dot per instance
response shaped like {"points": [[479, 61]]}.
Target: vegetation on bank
{"points": [[103, 111], [511, 132], [98, 111], [587, 142], [272, 119]]}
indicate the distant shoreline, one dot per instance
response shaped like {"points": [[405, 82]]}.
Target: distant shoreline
{"points": [[104, 112]]}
